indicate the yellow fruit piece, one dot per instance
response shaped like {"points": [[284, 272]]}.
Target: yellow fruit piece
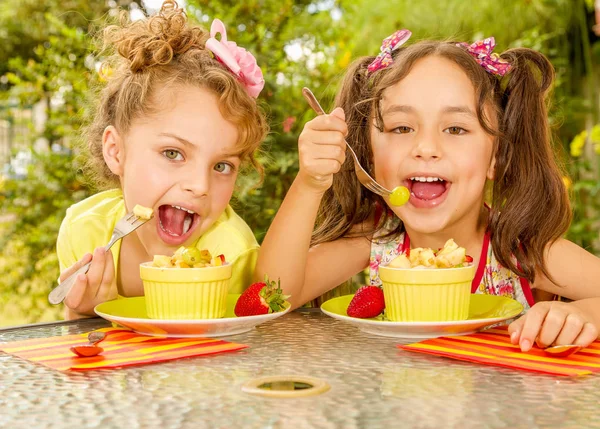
{"points": [[414, 256], [400, 261], [427, 258], [181, 264], [399, 196], [449, 247], [142, 212], [455, 257], [179, 252], [162, 261], [205, 255]]}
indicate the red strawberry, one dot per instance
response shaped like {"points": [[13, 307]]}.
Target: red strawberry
{"points": [[260, 298], [468, 258], [367, 302]]}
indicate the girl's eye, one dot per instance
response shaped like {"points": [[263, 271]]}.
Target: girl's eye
{"points": [[455, 130], [223, 167], [402, 130], [173, 155]]}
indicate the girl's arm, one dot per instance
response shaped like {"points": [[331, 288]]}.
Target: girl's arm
{"points": [[307, 273], [575, 271], [575, 275]]}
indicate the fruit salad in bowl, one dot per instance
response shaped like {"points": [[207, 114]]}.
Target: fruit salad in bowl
{"points": [[190, 284], [427, 285], [188, 257]]}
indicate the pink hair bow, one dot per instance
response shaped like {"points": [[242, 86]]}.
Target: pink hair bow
{"points": [[238, 60], [389, 44], [482, 52]]}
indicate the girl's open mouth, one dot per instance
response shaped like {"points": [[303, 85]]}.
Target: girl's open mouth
{"points": [[427, 191], [176, 224]]}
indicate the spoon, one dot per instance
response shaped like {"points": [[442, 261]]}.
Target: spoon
{"points": [[562, 351], [90, 349]]}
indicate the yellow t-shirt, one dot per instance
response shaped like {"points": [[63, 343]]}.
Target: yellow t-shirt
{"points": [[88, 224]]}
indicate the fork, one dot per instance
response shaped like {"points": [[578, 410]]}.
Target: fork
{"points": [[363, 177], [126, 225]]}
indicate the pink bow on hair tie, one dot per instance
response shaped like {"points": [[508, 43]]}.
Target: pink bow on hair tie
{"points": [[482, 52], [237, 59], [384, 59]]}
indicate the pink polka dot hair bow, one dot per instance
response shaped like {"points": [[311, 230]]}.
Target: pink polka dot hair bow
{"points": [[237, 59], [482, 52], [389, 44]]}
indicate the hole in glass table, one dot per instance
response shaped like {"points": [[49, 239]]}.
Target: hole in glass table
{"points": [[286, 386]]}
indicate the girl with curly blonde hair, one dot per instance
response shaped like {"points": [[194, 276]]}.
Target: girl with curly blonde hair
{"points": [[175, 121]]}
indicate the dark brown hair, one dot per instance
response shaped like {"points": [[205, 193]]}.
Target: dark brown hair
{"points": [[163, 51], [530, 204]]}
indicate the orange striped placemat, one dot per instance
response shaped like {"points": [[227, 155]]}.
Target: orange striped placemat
{"points": [[493, 347], [122, 347]]}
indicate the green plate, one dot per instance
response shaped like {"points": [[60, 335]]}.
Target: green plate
{"points": [[484, 311], [131, 313]]}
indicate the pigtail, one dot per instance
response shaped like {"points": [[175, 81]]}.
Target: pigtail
{"points": [[346, 203], [530, 207]]}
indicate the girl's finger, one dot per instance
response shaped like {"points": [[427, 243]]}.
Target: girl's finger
{"points": [[551, 327], [338, 112], [330, 152], [77, 293], [77, 265], [531, 327], [96, 270], [328, 123], [323, 167], [323, 138], [515, 328], [330, 138], [588, 334], [570, 330]]}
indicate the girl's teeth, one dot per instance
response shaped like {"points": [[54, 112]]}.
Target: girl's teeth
{"points": [[426, 179], [184, 209]]}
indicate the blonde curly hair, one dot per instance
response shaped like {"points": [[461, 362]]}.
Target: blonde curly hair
{"points": [[163, 51]]}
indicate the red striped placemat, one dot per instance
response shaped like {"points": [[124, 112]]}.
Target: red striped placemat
{"points": [[122, 348], [493, 347]]}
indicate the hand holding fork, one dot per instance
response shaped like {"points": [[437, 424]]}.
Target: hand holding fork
{"points": [[398, 196], [78, 290]]}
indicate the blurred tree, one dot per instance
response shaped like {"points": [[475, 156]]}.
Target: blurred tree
{"points": [[45, 61]]}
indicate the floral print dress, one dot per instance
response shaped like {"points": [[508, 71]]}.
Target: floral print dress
{"points": [[491, 277]]}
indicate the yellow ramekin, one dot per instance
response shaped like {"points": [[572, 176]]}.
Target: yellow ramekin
{"points": [[185, 293], [426, 295]]}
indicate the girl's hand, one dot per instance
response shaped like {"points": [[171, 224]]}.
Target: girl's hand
{"points": [[552, 323], [322, 149], [93, 288]]}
